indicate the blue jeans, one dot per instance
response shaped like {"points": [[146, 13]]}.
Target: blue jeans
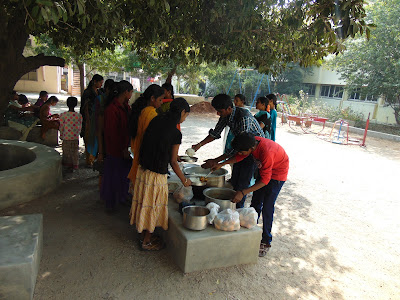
{"points": [[242, 173], [264, 202]]}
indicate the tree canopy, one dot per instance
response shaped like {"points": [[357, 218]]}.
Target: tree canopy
{"points": [[373, 66], [264, 34]]}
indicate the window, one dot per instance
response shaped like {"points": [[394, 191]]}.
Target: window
{"points": [[332, 91], [309, 88], [30, 76], [358, 95]]}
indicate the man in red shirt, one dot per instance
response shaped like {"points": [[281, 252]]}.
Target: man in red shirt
{"points": [[273, 167]]}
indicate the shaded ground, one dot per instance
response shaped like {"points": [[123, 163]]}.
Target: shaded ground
{"points": [[335, 233]]}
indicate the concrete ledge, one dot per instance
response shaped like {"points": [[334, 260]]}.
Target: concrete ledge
{"points": [[209, 248], [32, 180], [51, 138], [9, 133], [21, 242]]}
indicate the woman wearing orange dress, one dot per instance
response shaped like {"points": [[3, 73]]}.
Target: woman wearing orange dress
{"points": [[143, 111]]}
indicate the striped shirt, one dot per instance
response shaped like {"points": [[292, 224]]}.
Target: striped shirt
{"points": [[240, 120]]}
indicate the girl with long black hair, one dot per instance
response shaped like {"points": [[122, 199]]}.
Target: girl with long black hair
{"points": [[159, 148]]}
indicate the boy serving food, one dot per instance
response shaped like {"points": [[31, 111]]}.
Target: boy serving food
{"points": [[273, 165]]}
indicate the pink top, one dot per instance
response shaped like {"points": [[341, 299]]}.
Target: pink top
{"points": [[70, 125], [271, 158]]}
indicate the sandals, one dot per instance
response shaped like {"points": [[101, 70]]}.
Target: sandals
{"points": [[154, 245], [264, 248]]}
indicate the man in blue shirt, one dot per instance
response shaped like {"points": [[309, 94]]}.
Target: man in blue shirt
{"points": [[239, 120]]}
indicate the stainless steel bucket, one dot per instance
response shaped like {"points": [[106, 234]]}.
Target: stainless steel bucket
{"points": [[221, 196], [195, 217]]}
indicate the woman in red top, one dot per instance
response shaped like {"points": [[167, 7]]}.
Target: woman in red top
{"points": [[273, 167], [117, 163]]}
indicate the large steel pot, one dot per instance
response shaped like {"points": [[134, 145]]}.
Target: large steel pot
{"points": [[195, 217], [221, 196], [215, 179]]}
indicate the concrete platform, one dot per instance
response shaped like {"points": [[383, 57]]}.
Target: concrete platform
{"points": [[32, 180], [21, 242], [209, 248], [51, 138]]}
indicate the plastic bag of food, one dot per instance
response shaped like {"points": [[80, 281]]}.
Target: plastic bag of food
{"points": [[248, 217], [213, 207], [183, 193], [227, 220]]}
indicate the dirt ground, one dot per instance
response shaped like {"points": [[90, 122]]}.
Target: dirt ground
{"points": [[336, 233]]}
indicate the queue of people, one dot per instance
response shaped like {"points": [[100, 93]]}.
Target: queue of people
{"points": [[153, 140], [132, 146]]}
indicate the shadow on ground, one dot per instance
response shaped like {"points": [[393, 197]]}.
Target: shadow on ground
{"points": [[88, 254]]}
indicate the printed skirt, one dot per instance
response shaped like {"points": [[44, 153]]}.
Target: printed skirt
{"points": [[70, 155], [150, 201]]}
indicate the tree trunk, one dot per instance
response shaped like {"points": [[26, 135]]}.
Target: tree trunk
{"points": [[13, 65], [81, 68], [170, 74], [397, 111]]}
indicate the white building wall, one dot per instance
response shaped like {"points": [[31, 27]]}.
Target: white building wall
{"points": [[379, 112], [48, 79]]}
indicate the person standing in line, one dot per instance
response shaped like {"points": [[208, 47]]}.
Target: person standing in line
{"points": [[273, 166], [263, 116], [70, 128], [87, 100], [101, 105], [143, 111], [272, 102], [159, 148], [168, 98], [239, 120], [115, 184]]}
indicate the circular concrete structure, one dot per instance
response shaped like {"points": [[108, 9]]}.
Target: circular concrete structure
{"points": [[27, 171]]}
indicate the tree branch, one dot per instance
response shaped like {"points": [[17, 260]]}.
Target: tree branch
{"points": [[34, 62]]}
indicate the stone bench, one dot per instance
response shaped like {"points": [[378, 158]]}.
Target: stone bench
{"points": [[21, 242], [209, 248], [9, 133], [51, 138]]}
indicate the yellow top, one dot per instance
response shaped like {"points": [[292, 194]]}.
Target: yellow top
{"points": [[147, 114]]}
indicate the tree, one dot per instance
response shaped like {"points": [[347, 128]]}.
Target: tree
{"points": [[265, 34], [373, 66], [96, 61], [82, 25], [290, 81]]}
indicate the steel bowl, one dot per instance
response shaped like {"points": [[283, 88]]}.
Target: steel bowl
{"points": [[195, 217], [186, 158], [215, 179], [221, 196]]}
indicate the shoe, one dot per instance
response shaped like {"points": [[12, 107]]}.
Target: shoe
{"points": [[264, 248]]}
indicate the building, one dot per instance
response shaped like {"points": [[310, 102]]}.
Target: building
{"points": [[52, 79], [326, 86]]}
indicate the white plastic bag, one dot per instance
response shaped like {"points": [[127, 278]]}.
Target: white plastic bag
{"points": [[248, 217], [183, 193], [227, 220], [213, 207]]}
